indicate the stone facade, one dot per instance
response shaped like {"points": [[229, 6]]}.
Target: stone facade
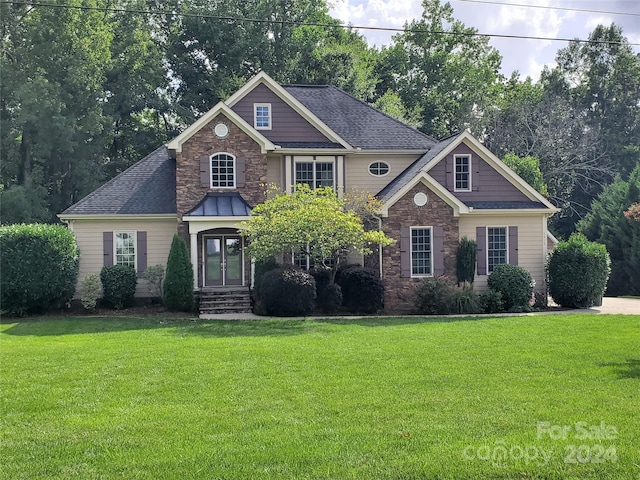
{"points": [[399, 296]]}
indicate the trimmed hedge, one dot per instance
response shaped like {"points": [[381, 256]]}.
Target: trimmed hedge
{"points": [[38, 267], [178, 280], [118, 285], [514, 283], [362, 289], [434, 295], [287, 292], [578, 271]]}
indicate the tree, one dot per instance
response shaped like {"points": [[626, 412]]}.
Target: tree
{"points": [[178, 280], [607, 224], [311, 222], [528, 168], [439, 67]]}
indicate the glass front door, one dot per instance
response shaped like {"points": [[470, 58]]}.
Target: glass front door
{"points": [[223, 260]]}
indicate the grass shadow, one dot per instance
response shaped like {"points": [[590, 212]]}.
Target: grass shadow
{"points": [[400, 320], [630, 368]]}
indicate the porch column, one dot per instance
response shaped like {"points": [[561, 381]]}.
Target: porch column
{"points": [[194, 258]]}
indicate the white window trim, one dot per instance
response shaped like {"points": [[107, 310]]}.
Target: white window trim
{"points": [[455, 158], [134, 234], [235, 171], [506, 244], [411, 229], [379, 176], [255, 115], [315, 161]]}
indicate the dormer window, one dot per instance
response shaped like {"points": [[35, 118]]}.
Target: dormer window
{"points": [[262, 116], [462, 173]]}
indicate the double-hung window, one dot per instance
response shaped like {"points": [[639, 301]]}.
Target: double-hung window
{"points": [[496, 247], [462, 173], [421, 251], [316, 174], [223, 171], [262, 116], [125, 249]]}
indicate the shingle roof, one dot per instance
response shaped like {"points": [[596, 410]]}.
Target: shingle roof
{"points": [[504, 205], [147, 187], [309, 145], [221, 204], [356, 122], [412, 170]]}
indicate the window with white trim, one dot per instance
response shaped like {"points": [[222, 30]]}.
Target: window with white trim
{"points": [[223, 170], [262, 116], [462, 173], [304, 261], [125, 249], [379, 169], [497, 248], [421, 251], [316, 174]]}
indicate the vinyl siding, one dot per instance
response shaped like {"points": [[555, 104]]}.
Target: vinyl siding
{"points": [[286, 124], [275, 173], [532, 238], [359, 178], [88, 234], [487, 184]]}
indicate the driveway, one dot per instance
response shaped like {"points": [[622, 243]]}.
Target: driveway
{"points": [[616, 305]]}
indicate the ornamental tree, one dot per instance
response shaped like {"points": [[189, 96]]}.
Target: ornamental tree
{"points": [[316, 223]]}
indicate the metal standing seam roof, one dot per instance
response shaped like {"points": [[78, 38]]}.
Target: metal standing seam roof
{"points": [[358, 123], [147, 187], [221, 204]]}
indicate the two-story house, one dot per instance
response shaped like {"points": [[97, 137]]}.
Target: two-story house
{"points": [[204, 182]]}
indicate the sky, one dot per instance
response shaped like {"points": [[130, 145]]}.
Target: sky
{"points": [[526, 56]]}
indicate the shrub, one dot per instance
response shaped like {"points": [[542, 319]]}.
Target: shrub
{"points": [[541, 299], [90, 291], [578, 271], [491, 302], [118, 285], [328, 295], [433, 296], [178, 281], [464, 299], [154, 276], [261, 267], [466, 260], [39, 267], [514, 283], [287, 292], [362, 290]]}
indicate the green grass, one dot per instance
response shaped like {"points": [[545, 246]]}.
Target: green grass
{"points": [[401, 398]]}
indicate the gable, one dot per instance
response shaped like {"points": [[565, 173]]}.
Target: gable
{"points": [[488, 185], [288, 126]]}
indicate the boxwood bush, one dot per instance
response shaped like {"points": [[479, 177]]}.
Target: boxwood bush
{"points": [[578, 271], [514, 283], [434, 296], [38, 267], [287, 292], [118, 285], [362, 289]]}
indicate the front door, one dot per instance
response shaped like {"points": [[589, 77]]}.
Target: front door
{"points": [[223, 260]]}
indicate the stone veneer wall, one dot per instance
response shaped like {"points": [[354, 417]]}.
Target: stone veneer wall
{"points": [[399, 291]]}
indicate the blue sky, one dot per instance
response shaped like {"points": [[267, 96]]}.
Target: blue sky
{"points": [[526, 56]]}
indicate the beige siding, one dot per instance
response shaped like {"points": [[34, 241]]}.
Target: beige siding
{"points": [[274, 171], [358, 176], [532, 239], [88, 234]]}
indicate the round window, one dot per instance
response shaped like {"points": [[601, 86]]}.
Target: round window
{"points": [[379, 169], [221, 130], [420, 199]]}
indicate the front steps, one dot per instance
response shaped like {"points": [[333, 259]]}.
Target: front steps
{"points": [[216, 301]]}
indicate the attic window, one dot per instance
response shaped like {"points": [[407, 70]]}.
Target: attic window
{"points": [[379, 169], [262, 116], [462, 173]]}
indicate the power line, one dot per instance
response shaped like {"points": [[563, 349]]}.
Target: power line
{"points": [[308, 24], [566, 9]]}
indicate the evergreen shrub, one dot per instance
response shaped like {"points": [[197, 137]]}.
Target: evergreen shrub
{"points": [[178, 280], [362, 289], [287, 292], [118, 285], [514, 283]]}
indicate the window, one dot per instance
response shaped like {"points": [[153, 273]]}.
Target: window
{"points": [[462, 164], [125, 249], [223, 171], [305, 262], [421, 261], [315, 174], [496, 247], [262, 116], [379, 169]]}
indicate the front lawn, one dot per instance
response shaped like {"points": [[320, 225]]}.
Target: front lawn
{"points": [[552, 396]]}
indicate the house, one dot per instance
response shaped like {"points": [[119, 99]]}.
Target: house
{"points": [[204, 182]]}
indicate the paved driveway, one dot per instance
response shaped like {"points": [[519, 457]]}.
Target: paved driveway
{"points": [[628, 306]]}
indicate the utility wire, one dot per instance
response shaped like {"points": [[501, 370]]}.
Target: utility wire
{"points": [[232, 19], [566, 9]]}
